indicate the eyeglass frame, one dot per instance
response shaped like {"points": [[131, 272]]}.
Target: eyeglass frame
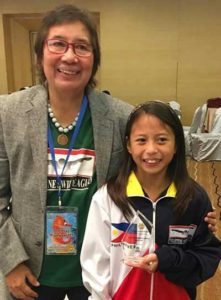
{"points": [[68, 45]]}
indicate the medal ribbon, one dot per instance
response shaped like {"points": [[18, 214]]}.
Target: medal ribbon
{"points": [[71, 146]]}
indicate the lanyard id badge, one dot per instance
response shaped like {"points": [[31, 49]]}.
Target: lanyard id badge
{"points": [[61, 230], [61, 221]]}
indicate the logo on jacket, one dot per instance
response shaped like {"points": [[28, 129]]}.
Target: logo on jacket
{"points": [[181, 234], [117, 232]]}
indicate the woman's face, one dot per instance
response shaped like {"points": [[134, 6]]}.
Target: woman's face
{"points": [[68, 71]]}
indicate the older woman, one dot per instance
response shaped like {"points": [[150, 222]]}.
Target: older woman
{"points": [[59, 141]]}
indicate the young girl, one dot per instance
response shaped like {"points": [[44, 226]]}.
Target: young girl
{"points": [[179, 250]]}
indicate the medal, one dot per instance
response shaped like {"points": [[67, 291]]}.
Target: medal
{"points": [[62, 139]]}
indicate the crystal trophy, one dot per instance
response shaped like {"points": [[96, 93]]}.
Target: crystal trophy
{"points": [[137, 239]]}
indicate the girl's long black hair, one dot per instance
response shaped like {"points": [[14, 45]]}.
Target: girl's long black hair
{"points": [[177, 169]]}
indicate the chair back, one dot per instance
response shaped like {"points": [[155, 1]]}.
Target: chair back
{"points": [[198, 120], [214, 102], [216, 127]]}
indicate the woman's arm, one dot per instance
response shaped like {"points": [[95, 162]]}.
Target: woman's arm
{"points": [[11, 248]]}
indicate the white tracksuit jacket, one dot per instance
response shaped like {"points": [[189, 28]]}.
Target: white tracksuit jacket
{"points": [[187, 252]]}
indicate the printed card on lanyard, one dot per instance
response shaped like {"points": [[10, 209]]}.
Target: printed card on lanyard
{"points": [[61, 230]]}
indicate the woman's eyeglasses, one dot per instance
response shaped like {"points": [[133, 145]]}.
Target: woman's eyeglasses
{"points": [[60, 47]]}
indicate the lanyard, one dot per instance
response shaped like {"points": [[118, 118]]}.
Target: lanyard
{"points": [[71, 146]]}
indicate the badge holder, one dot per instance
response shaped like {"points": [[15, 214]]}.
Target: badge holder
{"points": [[61, 230], [137, 239]]}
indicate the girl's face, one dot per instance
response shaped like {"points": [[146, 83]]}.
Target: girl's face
{"points": [[68, 71], [152, 146]]}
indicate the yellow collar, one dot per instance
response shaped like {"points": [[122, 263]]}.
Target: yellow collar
{"points": [[134, 188]]}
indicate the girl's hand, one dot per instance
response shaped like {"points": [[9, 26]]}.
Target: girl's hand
{"points": [[148, 263]]}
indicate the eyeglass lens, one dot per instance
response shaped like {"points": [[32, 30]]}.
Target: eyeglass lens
{"points": [[60, 47]]}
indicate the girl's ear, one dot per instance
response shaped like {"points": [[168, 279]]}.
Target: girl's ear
{"points": [[128, 146]]}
